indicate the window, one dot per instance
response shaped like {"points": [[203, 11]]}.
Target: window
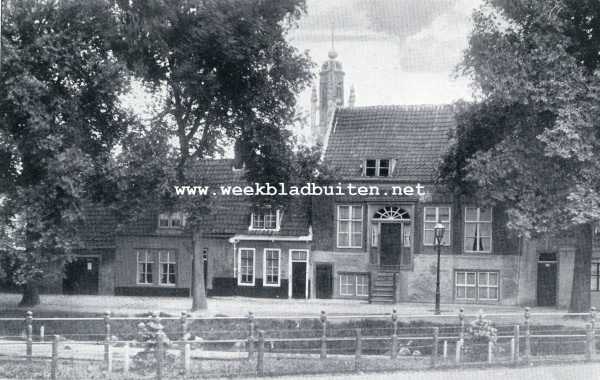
{"points": [[246, 265], [432, 216], [266, 219], [354, 285], [478, 229], [171, 220], [476, 286], [272, 267], [145, 261], [596, 275], [167, 267], [377, 168], [349, 226]]}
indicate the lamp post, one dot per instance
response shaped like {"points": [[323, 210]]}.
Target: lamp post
{"points": [[439, 235]]}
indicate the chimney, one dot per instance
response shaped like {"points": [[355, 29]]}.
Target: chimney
{"points": [[352, 98], [238, 160]]}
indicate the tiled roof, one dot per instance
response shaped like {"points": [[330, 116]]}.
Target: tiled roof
{"points": [[416, 136], [228, 214], [231, 214]]}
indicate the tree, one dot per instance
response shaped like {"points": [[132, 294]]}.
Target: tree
{"points": [[226, 72], [531, 140], [60, 117]]}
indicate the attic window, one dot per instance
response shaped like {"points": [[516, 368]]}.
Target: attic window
{"points": [[377, 168], [265, 219], [171, 220]]}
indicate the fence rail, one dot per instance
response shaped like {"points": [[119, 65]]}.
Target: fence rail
{"points": [[324, 348]]}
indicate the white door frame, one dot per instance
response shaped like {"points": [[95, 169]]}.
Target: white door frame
{"points": [[290, 277]]}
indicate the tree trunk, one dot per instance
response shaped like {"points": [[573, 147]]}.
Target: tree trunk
{"points": [[31, 295], [580, 293], [198, 291]]}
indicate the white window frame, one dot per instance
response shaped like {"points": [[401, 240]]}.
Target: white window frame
{"points": [[447, 232], [148, 259], [351, 284], [171, 217], [476, 286], [364, 285], [266, 274], [378, 167], [171, 260], [488, 286], [262, 214], [240, 273], [350, 230], [477, 222]]}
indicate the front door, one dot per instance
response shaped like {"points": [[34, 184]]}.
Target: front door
{"points": [[546, 284], [299, 280], [391, 243], [81, 276], [324, 280]]}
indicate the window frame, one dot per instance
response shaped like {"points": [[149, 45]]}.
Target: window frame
{"points": [[447, 233], [477, 223], [239, 272], [170, 254], [350, 220], [170, 217], [595, 277], [378, 167], [265, 268], [149, 259], [476, 285], [353, 284], [262, 213]]}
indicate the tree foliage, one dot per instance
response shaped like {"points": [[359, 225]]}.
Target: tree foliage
{"points": [[60, 116], [531, 141]]}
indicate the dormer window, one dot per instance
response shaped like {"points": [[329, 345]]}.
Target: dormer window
{"points": [[265, 219], [378, 168], [171, 220]]}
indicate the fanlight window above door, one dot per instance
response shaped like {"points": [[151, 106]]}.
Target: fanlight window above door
{"points": [[391, 213]]}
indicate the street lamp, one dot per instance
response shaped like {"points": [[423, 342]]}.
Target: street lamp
{"points": [[438, 232]]}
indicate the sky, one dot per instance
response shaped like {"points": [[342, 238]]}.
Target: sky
{"points": [[392, 51]]}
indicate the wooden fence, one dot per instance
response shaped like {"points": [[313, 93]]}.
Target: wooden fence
{"points": [[356, 349]]}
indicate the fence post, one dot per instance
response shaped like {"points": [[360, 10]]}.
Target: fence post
{"points": [[490, 353], [588, 342], [435, 348], [593, 326], [106, 336], [54, 363], [527, 336], [394, 352], [395, 288], [260, 365], [184, 326], [445, 350], [126, 357], [458, 350], [250, 335], [159, 356], [461, 321], [323, 319], [29, 332], [187, 353], [357, 351], [109, 362], [517, 346]]}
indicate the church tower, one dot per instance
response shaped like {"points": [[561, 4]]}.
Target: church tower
{"points": [[331, 91]]}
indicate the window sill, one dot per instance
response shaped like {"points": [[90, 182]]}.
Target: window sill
{"points": [[245, 284]]}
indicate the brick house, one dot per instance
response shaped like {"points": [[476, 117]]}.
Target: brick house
{"points": [[366, 247]]}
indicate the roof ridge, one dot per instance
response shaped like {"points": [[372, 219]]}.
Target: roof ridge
{"points": [[411, 107]]}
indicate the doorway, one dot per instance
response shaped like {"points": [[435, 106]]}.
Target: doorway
{"points": [[82, 275], [391, 244], [547, 280], [299, 283], [324, 280]]}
